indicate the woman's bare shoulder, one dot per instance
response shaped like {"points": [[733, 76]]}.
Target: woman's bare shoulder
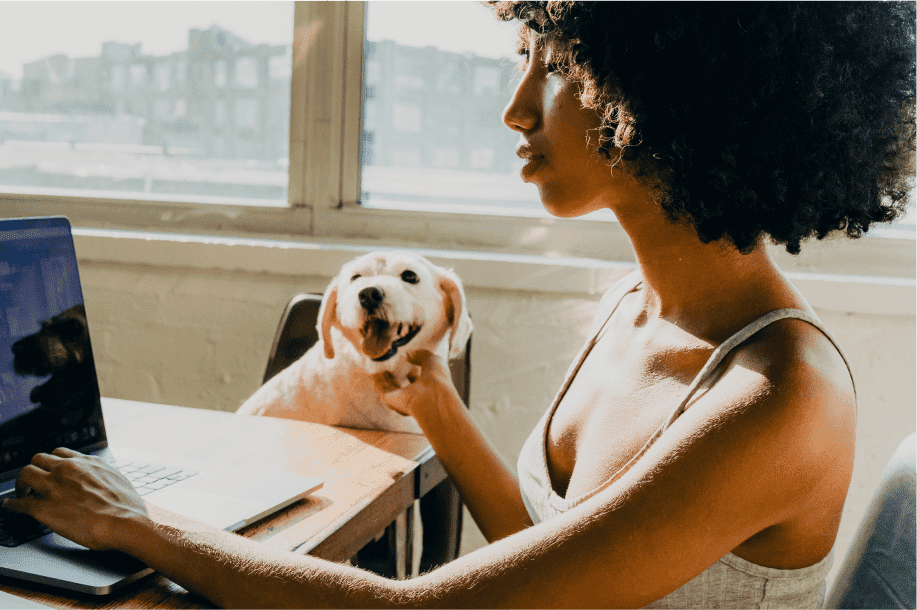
{"points": [[793, 373], [793, 352]]}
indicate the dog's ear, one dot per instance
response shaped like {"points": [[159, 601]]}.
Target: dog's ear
{"points": [[327, 316], [456, 312]]}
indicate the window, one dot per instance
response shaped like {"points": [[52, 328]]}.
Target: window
{"points": [[161, 109], [451, 127], [220, 73], [219, 113], [247, 72], [406, 118], [163, 76], [246, 113], [117, 77], [280, 66], [423, 159], [129, 101], [138, 75]]}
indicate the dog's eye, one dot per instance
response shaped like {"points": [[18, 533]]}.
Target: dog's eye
{"points": [[409, 276], [354, 278]]}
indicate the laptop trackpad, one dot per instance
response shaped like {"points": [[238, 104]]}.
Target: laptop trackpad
{"points": [[220, 511]]}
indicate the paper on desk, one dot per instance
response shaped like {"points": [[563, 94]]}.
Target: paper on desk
{"points": [[8, 600]]}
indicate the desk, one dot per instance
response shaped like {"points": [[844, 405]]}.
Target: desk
{"points": [[371, 479]]}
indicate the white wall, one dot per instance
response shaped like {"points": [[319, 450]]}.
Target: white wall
{"points": [[193, 328]]}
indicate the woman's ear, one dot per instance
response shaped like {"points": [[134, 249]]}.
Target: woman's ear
{"points": [[456, 312], [327, 316]]}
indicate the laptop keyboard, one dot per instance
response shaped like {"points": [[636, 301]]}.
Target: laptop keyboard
{"points": [[16, 528], [148, 478]]}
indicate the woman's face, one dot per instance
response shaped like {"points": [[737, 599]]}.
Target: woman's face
{"points": [[558, 139]]}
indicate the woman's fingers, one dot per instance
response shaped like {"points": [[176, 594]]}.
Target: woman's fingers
{"points": [[23, 505], [390, 392], [421, 358], [66, 452], [395, 401], [77, 496], [385, 382], [32, 478], [46, 460]]}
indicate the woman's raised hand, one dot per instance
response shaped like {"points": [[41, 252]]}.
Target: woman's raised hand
{"points": [[425, 383]]}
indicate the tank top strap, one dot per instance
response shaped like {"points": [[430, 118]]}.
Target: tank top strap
{"points": [[705, 374], [740, 337], [621, 289], [626, 285]]}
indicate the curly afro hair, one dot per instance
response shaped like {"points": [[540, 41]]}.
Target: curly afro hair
{"points": [[785, 119]]}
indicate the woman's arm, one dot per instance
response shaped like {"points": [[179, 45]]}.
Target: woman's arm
{"points": [[235, 572], [488, 488], [753, 453]]}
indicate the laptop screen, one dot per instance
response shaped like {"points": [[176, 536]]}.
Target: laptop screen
{"points": [[49, 392]]}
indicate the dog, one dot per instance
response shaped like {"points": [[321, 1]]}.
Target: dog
{"points": [[60, 351], [380, 307]]}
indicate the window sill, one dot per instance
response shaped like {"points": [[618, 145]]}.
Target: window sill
{"points": [[478, 270], [883, 254]]}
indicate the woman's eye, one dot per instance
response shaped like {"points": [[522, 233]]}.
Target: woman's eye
{"points": [[409, 276], [354, 278]]}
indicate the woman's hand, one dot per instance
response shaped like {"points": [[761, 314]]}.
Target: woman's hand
{"points": [[430, 377], [78, 496]]}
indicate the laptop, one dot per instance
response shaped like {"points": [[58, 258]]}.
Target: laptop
{"points": [[49, 397]]}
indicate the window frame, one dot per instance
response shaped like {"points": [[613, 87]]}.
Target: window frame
{"points": [[324, 186]]}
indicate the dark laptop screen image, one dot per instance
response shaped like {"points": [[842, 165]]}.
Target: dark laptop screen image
{"points": [[49, 394]]}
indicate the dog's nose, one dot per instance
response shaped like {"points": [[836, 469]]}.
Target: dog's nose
{"points": [[371, 297]]}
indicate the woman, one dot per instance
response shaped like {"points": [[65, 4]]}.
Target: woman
{"points": [[700, 450]]}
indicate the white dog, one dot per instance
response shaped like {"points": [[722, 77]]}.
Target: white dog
{"points": [[379, 308]]}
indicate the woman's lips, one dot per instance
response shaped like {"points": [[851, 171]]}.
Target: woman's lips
{"points": [[533, 161], [532, 165]]}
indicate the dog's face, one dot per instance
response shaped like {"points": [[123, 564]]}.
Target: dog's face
{"points": [[390, 303], [62, 341]]}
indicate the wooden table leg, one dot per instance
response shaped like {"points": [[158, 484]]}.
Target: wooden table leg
{"points": [[404, 543]]}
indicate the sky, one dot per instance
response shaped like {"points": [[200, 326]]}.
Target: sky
{"points": [[32, 30]]}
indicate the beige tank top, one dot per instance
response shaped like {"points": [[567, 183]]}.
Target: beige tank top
{"points": [[731, 582]]}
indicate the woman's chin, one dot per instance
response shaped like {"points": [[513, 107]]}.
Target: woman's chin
{"points": [[566, 209]]}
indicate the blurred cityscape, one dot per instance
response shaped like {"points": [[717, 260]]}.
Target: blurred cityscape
{"points": [[211, 123], [213, 120]]}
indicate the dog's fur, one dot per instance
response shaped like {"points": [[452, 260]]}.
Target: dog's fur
{"points": [[59, 350], [333, 382]]}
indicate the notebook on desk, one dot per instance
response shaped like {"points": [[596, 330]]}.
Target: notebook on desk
{"points": [[49, 397]]}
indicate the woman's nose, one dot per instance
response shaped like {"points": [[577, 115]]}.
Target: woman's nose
{"points": [[522, 113]]}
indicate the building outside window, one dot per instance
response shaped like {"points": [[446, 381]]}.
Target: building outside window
{"points": [[246, 113], [215, 95], [163, 76], [138, 74], [150, 92], [220, 73], [406, 118], [247, 72]]}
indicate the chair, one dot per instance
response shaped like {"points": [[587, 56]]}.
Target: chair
{"points": [[879, 569], [440, 508]]}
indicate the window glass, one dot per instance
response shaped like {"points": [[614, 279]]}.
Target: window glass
{"points": [[146, 99], [436, 78]]}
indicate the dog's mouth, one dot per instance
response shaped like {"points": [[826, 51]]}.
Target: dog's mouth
{"points": [[381, 340]]}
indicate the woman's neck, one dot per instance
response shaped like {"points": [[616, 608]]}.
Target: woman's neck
{"points": [[693, 284]]}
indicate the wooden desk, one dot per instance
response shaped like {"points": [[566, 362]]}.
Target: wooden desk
{"points": [[371, 478]]}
